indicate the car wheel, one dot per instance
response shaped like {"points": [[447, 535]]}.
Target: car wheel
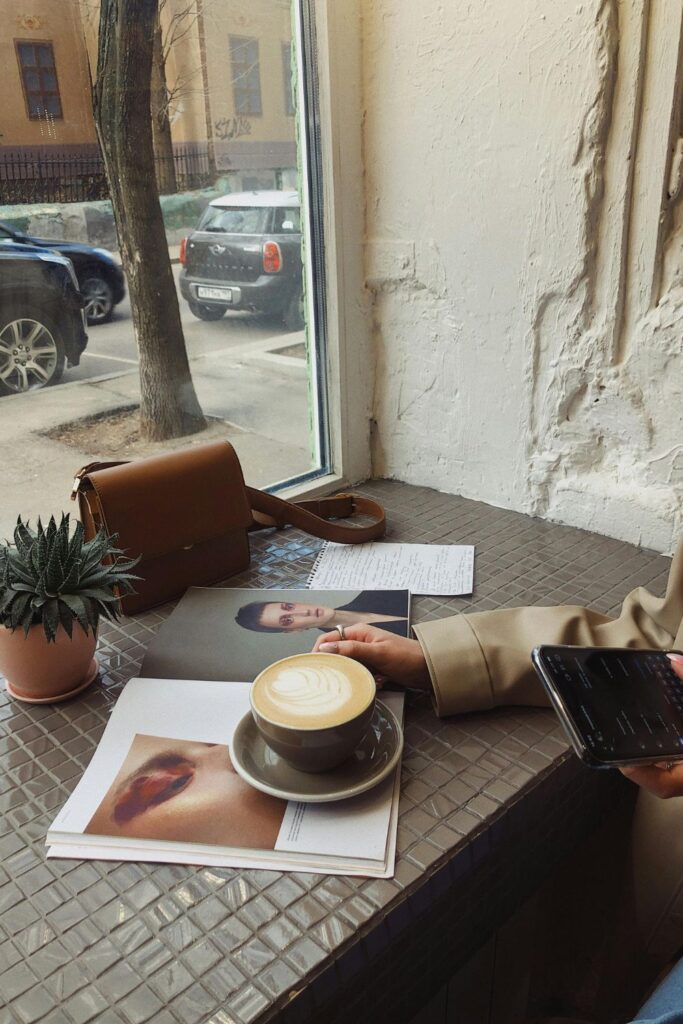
{"points": [[31, 352], [98, 297], [203, 312], [293, 314]]}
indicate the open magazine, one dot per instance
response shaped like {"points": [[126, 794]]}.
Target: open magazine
{"points": [[161, 787], [234, 633]]}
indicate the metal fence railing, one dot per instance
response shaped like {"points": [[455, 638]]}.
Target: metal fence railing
{"points": [[49, 176]]}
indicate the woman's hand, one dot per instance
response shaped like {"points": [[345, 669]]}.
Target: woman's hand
{"points": [[657, 778], [389, 657]]}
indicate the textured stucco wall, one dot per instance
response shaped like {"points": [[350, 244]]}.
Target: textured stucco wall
{"points": [[525, 255]]}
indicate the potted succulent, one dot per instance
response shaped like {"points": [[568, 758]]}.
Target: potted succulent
{"points": [[54, 587]]}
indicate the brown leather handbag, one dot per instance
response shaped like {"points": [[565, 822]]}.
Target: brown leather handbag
{"points": [[187, 515]]}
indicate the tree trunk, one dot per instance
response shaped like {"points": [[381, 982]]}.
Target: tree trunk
{"points": [[121, 101], [161, 126]]}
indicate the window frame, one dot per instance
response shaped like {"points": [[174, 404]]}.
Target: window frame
{"points": [[349, 355], [233, 79], [22, 68], [287, 83]]}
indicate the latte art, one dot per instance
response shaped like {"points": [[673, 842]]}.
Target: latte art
{"points": [[313, 691], [309, 690]]}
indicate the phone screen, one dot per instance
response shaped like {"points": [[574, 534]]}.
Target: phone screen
{"points": [[625, 704]]}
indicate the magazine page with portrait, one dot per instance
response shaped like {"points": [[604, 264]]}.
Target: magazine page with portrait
{"points": [[231, 633], [162, 786]]}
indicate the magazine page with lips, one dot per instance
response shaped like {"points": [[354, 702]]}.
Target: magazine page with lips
{"points": [[186, 792], [160, 787]]}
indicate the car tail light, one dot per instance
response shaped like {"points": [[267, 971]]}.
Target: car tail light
{"points": [[183, 257], [272, 258]]}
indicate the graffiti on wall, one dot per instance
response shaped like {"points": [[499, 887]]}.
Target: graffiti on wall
{"points": [[229, 128]]}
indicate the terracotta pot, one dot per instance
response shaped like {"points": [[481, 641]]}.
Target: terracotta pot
{"points": [[39, 672]]}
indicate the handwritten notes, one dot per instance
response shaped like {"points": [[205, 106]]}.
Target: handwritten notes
{"points": [[437, 569]]}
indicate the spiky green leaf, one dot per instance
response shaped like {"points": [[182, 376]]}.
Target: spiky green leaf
{"points": [[18, 570], [19, 609], [77, 607], [51, 575], [23, 538], [51, 618], [54, 571], [66, 619]]}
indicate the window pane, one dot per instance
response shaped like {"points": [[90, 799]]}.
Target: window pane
{"points": [[27, 55], [246, 77], [232, 268], [251, 80], [287, 220], [239, 48], [242, 102], [238, 221], [45, 58]]}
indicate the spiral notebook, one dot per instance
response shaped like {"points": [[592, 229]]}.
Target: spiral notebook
{"points": [[443, 570]]}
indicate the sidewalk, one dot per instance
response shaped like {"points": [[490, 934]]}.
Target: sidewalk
{"points": [[258, 399]]}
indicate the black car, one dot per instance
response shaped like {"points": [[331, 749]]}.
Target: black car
{"points": [[42, 318], [100, 278], [246, 254]]}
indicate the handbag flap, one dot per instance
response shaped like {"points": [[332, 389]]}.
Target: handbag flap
{"points": [[166, 502]]}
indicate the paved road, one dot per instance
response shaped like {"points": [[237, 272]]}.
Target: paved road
{"points": [[111, 347]]}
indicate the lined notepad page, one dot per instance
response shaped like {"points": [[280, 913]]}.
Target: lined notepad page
{"points": [[445, 570]]}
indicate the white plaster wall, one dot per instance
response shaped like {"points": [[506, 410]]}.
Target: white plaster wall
{"points": [[524, 256]]}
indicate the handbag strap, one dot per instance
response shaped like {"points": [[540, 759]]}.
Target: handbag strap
{"points": [[81, 482], [313, 515]]}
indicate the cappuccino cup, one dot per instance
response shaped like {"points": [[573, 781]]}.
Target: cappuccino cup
{"points": [[313, 709]]}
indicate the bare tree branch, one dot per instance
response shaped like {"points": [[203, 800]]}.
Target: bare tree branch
{"points": [[180, 25]]}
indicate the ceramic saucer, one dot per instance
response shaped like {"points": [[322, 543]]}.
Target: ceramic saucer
{"points": [[373, 759]]}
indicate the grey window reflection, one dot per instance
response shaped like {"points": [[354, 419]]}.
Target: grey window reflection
{"points": [[246, 76]]}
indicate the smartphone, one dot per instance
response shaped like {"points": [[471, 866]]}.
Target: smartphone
{"points": [[618, 706]]}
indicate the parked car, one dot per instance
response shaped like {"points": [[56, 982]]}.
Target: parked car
{"points": [[245, 253], [100, 278], [42, 318]]}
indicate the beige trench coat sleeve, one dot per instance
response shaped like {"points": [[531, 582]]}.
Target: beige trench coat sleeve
{"points": [[479, 661]]}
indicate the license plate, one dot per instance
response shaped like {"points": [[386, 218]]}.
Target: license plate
{"points": [[224, 294]]}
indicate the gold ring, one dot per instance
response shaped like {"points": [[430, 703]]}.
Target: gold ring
{"points": [[340, 630]]}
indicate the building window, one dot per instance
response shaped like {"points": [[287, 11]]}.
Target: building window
{"points": [[288, 78], [246, 77], [39, 78]]}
